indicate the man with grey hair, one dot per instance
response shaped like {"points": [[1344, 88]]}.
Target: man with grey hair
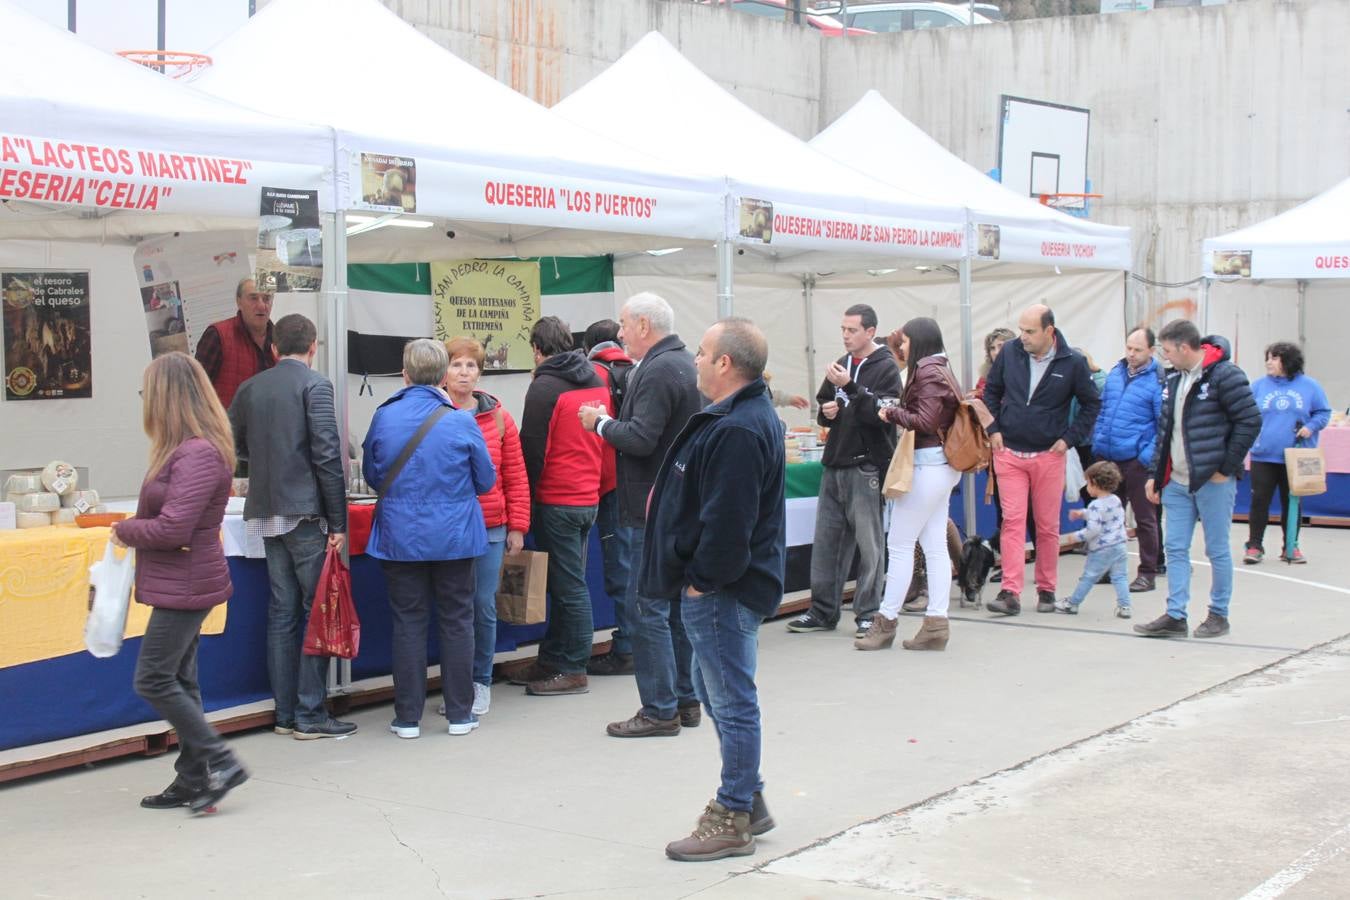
{"points": [[234, 350], [660, 397], [716, 539]]}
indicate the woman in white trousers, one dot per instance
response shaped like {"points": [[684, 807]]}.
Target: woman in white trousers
{"points": [[927, 407]]}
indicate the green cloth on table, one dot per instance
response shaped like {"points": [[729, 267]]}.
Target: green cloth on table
{"points": [[803, 479]]}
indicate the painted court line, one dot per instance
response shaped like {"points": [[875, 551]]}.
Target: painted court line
{"points": [[1239, 569], [1277, 884]]}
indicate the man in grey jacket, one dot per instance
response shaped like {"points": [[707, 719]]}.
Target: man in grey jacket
{"points": [[660, 397], [286, 429]]}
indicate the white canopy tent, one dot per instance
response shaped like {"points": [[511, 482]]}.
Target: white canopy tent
{"points": [[497, 169], [790, 208], [96, 152], [94, 147], [1309, 246]]}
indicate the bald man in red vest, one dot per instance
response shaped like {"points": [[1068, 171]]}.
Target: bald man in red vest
{"points": [[234, 350]]}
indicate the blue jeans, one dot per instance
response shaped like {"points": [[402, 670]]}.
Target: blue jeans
{"points": [[299, 682], [1108, 559], [725, 638], [616, 547], [1212, 506], [563, 532], [488, 569], [662, 658]]}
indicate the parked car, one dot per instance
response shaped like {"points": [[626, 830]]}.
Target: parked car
{"points": [[905, 15], [777, 9]]}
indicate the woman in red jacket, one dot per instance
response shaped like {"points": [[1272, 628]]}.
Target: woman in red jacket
{"points": [[180, 568], [506, 508]]}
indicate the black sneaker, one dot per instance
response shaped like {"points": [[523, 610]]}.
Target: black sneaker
{"points": [[760, 819], [863, 625], [328, 729], [1045, 601], [1007, 603], [808, 621], [691, 716], [1214, 625], [1164, 626], [611, 664]]}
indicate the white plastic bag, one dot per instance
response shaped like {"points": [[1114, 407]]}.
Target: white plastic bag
{"points": [[110, 582], [1074, 480]]}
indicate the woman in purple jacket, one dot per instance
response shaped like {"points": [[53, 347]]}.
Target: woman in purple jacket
{"points": [[180, 568]]}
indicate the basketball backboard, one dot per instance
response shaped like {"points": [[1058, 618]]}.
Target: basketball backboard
{"points": [[1042, 149]]}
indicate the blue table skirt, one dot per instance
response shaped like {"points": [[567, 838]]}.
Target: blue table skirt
{"points": [[78, 694], [1335, 503]]}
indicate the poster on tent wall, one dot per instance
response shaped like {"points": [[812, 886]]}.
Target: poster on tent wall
{"points": [[388, 183], [290, 241], [496, 302], [47, 353], [188, 282], [1233, 262]]}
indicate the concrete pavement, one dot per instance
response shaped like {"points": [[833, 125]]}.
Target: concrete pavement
{"points": [[1042, 756]]}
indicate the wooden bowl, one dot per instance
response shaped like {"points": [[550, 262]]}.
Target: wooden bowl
{"points": [[98, 520]]}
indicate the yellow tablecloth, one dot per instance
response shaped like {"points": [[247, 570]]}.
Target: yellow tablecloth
{"points": [[44, 593]]}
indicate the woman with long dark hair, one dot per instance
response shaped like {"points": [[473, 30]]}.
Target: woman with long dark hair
{"points": [[180, 568], [928, 408]]}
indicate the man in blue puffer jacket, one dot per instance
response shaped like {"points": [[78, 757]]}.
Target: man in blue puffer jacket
{"points": [[1209, 422], [1126, 433]]}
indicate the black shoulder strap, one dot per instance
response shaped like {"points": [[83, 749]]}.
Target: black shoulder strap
{"points": [[406, 453]]}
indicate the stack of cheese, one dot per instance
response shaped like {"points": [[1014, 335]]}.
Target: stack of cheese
{"points": [[48, 497]]}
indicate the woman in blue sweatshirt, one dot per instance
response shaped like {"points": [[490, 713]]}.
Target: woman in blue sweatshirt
{"points": [[1293, 408]]}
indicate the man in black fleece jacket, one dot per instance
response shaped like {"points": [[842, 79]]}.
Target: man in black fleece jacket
{"points": [[848, 511]]}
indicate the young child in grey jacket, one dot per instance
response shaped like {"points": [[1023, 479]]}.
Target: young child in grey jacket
{"points": [[1105, 540]]}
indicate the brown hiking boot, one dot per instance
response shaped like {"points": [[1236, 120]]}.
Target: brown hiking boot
{"points": [[932, 635], [643, 726], [720, 833], [611, 664], [880, 636], [559, 683], [535, 671], [691, 716]]}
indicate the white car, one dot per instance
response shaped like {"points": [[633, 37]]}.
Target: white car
{"points": [[905, 15]]}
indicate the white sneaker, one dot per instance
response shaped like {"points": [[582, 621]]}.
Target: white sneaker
{"points": [[482, 699], [463, 727], [407, 732]]}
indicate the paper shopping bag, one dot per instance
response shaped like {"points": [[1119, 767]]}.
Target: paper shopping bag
{"points": [[1307, 471], [900, 473], [522, 592], [334, 629]]}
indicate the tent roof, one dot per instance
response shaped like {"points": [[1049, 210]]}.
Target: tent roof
{"points": [[874, 137], [389, 89], [1310, 241], [75, 113], [654, 95]]}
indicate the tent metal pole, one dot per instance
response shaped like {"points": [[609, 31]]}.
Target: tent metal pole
{"points": [[1204, 306], [726, 275], [1303, 314], [337, 371], [967, 379], [808, 293]]}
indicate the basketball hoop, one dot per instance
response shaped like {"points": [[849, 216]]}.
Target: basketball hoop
{"points": [[174, 63], [1070, 204]]}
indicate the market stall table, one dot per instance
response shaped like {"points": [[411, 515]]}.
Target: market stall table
{"points": [[53, 689]]}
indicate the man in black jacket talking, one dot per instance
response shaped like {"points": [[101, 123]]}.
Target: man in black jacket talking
{"points": [[848, 510]]}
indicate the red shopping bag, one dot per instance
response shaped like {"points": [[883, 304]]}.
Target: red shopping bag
{"points": [[334, 629]]}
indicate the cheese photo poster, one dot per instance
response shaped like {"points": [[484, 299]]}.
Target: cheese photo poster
{"points": [[47, 353]]}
